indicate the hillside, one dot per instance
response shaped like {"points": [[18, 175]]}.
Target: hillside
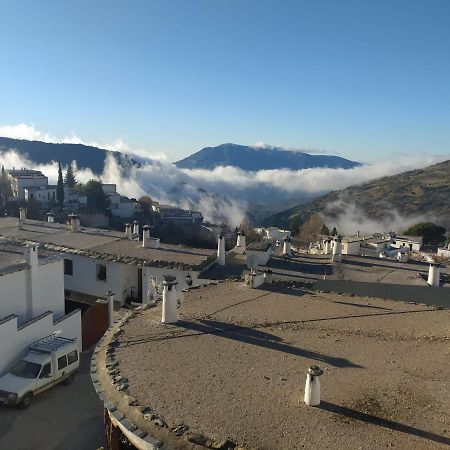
{"points": [[423, 191], [44, 153], [254, 158]]}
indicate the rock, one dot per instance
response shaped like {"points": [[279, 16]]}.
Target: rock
{"points": [[160, 423], [180, 429], [197, 438]]}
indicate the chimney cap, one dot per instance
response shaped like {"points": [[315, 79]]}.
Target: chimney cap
{"points": [[135, 221], [169, 279], [221, 235], [315, 371], [146, 227], [73, 216]]}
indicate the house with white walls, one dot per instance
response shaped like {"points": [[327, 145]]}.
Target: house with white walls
{"points": [[412, 243], [273, 233], [25, 178], [31, 300], [98, 260]]}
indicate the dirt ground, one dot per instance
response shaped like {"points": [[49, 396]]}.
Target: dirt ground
{"points": [[234, 367]]}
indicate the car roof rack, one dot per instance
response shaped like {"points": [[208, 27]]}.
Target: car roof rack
{"points": [[49, 344]]}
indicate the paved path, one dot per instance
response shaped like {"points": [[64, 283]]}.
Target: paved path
{"points": [[62, 418]]}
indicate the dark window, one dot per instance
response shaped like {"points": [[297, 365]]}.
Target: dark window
{"points": [[72, 357], [46, 371], [62, 362], [101, 272], [68, 267]]}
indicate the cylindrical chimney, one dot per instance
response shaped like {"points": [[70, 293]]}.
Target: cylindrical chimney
{"points": [[287, 246], [337, 251], [170, 300], [312, 387], [434, 275], [110, 296], [74, 223], [50, 217], [136, 228], [22, 213], [221, 250], [146, 236]]}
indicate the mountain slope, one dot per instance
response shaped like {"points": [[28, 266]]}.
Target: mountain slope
{"points": [[253, 158], [423, 191], [44, 153]]}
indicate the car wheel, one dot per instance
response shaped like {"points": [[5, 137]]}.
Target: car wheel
{"points": [[26, 401], [69, 379]]}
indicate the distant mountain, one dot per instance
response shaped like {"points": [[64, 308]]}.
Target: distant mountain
{"points": [[44, 153], [255, 158], [418, 192]]}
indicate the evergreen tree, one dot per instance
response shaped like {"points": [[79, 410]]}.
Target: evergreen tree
{"points": [[325, 231], [69, 179], [334, 232], [60, 188]]}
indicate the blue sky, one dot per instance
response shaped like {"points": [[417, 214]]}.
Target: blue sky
{"points": [[364, 79]]}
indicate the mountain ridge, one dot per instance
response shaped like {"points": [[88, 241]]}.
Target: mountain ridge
{"points": [[423, 191], [260, 158]]}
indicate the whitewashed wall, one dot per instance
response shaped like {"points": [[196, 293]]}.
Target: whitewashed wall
{"points": [[261, 257], [119, 277], [46, 293], [14, 340]]}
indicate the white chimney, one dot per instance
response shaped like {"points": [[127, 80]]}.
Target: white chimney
{"points": [[146, 236], [136, 228], [434, 274], [128, 231], [22, 213], [170, 300], [221, 250], [268, 274], [50, 218], [74, 223], [110, 296], [337, 251], [287, 246], [312, 387], [30, 254]]}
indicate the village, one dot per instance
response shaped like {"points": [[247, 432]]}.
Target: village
{"points": [[67, 288]]}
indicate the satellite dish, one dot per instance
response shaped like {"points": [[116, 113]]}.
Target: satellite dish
{"points": [[252, 261]]}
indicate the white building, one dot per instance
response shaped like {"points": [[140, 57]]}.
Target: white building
{"points": [[31, 300], [121, 206], [273, 233], [258, 253], [169, 213], [97, 260], [444, 252], [412, 243], [25, 178]]}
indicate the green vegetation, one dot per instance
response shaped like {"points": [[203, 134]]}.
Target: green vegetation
{"points": [[422, 191], [97, 201], [60, 188], [431, 233], [70, 180], [325, 231]]}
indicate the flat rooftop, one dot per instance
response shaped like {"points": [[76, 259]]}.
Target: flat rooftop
{"points": [[104, 244], [234, 368], [12, 258]]}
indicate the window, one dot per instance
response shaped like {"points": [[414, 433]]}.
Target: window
{"points": [[72, 357], [101, 272], [46, 371], [62, 362], [68, 267]]}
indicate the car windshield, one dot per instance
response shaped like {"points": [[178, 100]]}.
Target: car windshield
{"points": [[26, 369]]}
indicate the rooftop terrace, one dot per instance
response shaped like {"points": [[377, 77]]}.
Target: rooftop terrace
{"points": [[234, 368], [104, 244]]}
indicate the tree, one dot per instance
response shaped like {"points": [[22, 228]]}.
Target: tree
{"points": [[430, 232], [145, 202], [324, 231], [97, 201], [60, 188], [69, 179], [250, 234], [334, 232], [5, 190], [311, 229], [34, 209]]}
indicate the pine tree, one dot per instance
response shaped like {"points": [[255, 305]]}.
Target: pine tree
{"points": [[334, 232], [69, 179], [324, 231], [60, 188]]}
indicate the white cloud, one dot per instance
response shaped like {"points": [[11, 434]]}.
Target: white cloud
{"points": [[228, 189]]}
